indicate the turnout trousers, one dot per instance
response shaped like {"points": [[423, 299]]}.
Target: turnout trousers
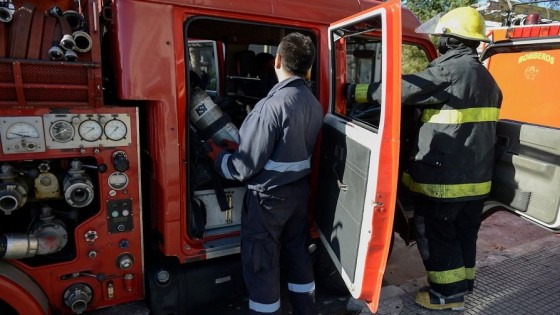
{"points": [[446, 237], [274, 225]]}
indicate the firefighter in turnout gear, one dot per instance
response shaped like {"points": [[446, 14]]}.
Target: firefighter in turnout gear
{"points": [[450, 168], [274, 160]]}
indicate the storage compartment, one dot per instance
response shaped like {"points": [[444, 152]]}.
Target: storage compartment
{"points": [[184, 289], [51, 57], [218, 221]]}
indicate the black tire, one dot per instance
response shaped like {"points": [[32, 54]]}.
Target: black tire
{"points": [[6, 309]]}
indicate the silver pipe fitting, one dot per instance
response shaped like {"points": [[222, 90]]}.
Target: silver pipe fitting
{"points": [[70, 55], [18, 246], [56, 53], [78, 188], [77, 297], [7, 10], [83, 41], [75, 19]]}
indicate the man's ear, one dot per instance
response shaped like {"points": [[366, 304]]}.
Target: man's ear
{"points": [[278, 61]]}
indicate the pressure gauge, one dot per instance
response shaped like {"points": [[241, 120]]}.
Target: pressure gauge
{"points": [[62, 131], [21, 130], [90, 130], [118, 180], [115, 129]]}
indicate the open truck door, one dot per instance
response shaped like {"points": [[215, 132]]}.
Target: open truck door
{"points": [[524, 62], [358, 168]]}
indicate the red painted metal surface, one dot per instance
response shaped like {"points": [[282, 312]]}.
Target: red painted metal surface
{"points": [[99, 269], [149, 50], [164, 91]]}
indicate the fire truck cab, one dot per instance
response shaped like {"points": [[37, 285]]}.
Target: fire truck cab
{"points": [[106, 193]]}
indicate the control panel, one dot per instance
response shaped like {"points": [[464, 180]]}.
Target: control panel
{"points": [[70, 208], [29, 134]]}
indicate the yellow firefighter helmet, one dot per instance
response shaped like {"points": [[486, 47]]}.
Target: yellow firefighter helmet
{"points": [[464, 22]]}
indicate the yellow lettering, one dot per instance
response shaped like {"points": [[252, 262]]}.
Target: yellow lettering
{"points": [[536, 55]]}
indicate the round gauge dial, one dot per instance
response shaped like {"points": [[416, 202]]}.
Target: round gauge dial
{"points": [[118, 180], [62, 131], [115, 129], [90, 130], [22, 130]]}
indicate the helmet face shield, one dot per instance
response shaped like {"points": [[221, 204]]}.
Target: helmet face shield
{"points": [[429, 27]]}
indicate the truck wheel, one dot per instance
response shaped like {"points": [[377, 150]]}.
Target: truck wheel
{"points": [[19, 293], [6, 309]]}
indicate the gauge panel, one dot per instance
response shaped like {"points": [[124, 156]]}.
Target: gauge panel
{"points": [[87, 130], [118, 181], [115, 129], [90, 130], [22, 134], [62, 131]]}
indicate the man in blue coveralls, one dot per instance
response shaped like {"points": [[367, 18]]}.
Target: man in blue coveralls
{"points": [[274, 160]]}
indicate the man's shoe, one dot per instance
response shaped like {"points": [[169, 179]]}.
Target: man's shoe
{"points": [[429, 300]]}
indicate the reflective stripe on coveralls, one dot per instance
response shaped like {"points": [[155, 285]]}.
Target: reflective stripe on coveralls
{"points": [[288, 166], [273, 307], [302, 288], [264, 308], [271, 166], [447, 190]]}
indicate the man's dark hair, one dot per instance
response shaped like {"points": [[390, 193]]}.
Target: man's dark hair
{"points": [[298, 53]]}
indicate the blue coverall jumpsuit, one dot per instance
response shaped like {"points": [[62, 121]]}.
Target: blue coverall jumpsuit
{"points": [[277, 139]]}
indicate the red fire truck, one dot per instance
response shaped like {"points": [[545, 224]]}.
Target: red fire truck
{"points": [[106, 194]]}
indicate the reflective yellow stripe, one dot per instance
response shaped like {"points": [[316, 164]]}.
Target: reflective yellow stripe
{"points": [[471, 273], [360, 94], [447, 191], [447, 276], [460, 116]]}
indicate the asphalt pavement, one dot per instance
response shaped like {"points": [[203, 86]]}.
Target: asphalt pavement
{"points": [[518, 272]]}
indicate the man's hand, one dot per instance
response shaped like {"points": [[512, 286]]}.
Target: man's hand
{"points": [[224, 145], [214, 149], [229, 145]]}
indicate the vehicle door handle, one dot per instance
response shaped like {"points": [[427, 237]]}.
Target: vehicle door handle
{"points": [[339, 182]]}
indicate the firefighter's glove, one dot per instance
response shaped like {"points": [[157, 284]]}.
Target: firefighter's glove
{"points": [[356, 93], [214, 149]]}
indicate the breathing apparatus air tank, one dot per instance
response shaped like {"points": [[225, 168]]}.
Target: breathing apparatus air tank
{"points": [[209, 119]]}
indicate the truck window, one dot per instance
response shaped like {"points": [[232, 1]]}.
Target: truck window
{"points": [[203, 61], [363, 64]]}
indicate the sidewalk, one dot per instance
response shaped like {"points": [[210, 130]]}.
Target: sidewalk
{"points": [[521, 280]]}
